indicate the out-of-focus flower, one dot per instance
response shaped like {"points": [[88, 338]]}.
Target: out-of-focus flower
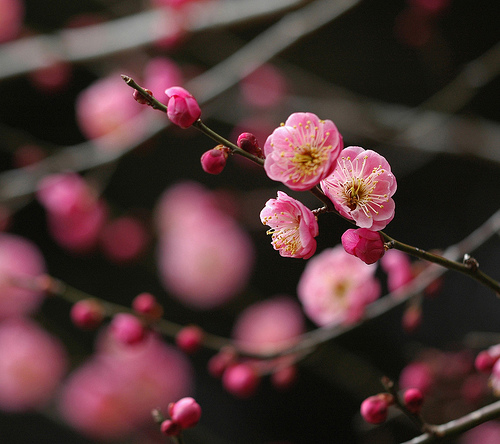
{"points": [[417, 375], [127, 328], [113, 394], [147, 305], [204, 257], [19, 259], [264, 87], [269, 325], [398, 267], [182, 109], [11, 19], [302, 151], [87, 314], [104, 108], [363, 243], [413, 399], [75, 215], [293, 226], [161, 73], [189, 339], [241, 380], [361, 188], [32, 365], [335, 287], [123, 239], [487, 433]]}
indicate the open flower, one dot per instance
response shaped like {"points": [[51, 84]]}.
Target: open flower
{"points": [[293, 226], [302, 151], [335, 287], [361, 187]]}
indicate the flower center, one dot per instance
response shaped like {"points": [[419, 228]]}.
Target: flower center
{"points": [[285, 234]]}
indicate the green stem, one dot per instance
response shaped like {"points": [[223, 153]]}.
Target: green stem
{"points": [[469, 268], [155, 104]]}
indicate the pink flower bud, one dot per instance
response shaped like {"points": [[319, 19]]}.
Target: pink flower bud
{"points": [[412, 318], [182, 109], [241, 380], [127, 329], [170, 428], [284, 378], [413, 400], [87, 314], [218, 363], [363, 243], [147, 305], [248, 142], [186, 412], [213, 161], [374, 409], [485, 361], [189, 339], [139, 98]]}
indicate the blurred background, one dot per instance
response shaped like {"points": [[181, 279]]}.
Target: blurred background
{"points": [[415, 80]]}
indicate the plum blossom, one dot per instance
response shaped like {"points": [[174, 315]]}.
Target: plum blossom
{"points": [[302, 151], [361, 188], [182, 109], [19, 259], [113, 393], [32, 365], [363, 243], [11, 19], [335, 287], [204, 257], [293, 226]]}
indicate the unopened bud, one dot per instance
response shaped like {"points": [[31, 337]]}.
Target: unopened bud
{"points": [[213, 161], [248, 142], [413, 400], [139, 98]]}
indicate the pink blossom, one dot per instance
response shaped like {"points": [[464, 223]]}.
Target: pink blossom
{"points": [[397, 265], [11, 19], [127, 328], [19, 259], [75, 215], [104, 108], [87, 314], [293, 226], [335, 287], [182, 109], [213, 161], [365, 244], [204, 257], [413, 399], [417, 375], [113, 394], [32, 365], [161, 73], [303, 151], [486, 433], [186, 412], [147, 305], [241, 380], [248, 142], [269, 325], [190, 338], [361, 187], [264, 87]]}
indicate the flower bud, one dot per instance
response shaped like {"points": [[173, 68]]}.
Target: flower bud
{"points": [[413, 400], [219, 362], [374, 408], [363, 243], [189, 338], [139, 98], [213, 161], [240, 380], [147, 305], [126, 328], [170, 428], [182, 108], [87, 314], [484, 361], [186, 412], [248, 142]]}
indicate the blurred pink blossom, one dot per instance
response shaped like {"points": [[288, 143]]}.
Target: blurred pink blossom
{"points": [[32, 365], [302, 151], [204, 257], [335, 287], [161, 73], [487, 433], [75, 215], [265, 87], [19, 259], [269, 325], [361, 188], [397, 265], [113, 394], [104, 108], [11, 19], [293, 226]]}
